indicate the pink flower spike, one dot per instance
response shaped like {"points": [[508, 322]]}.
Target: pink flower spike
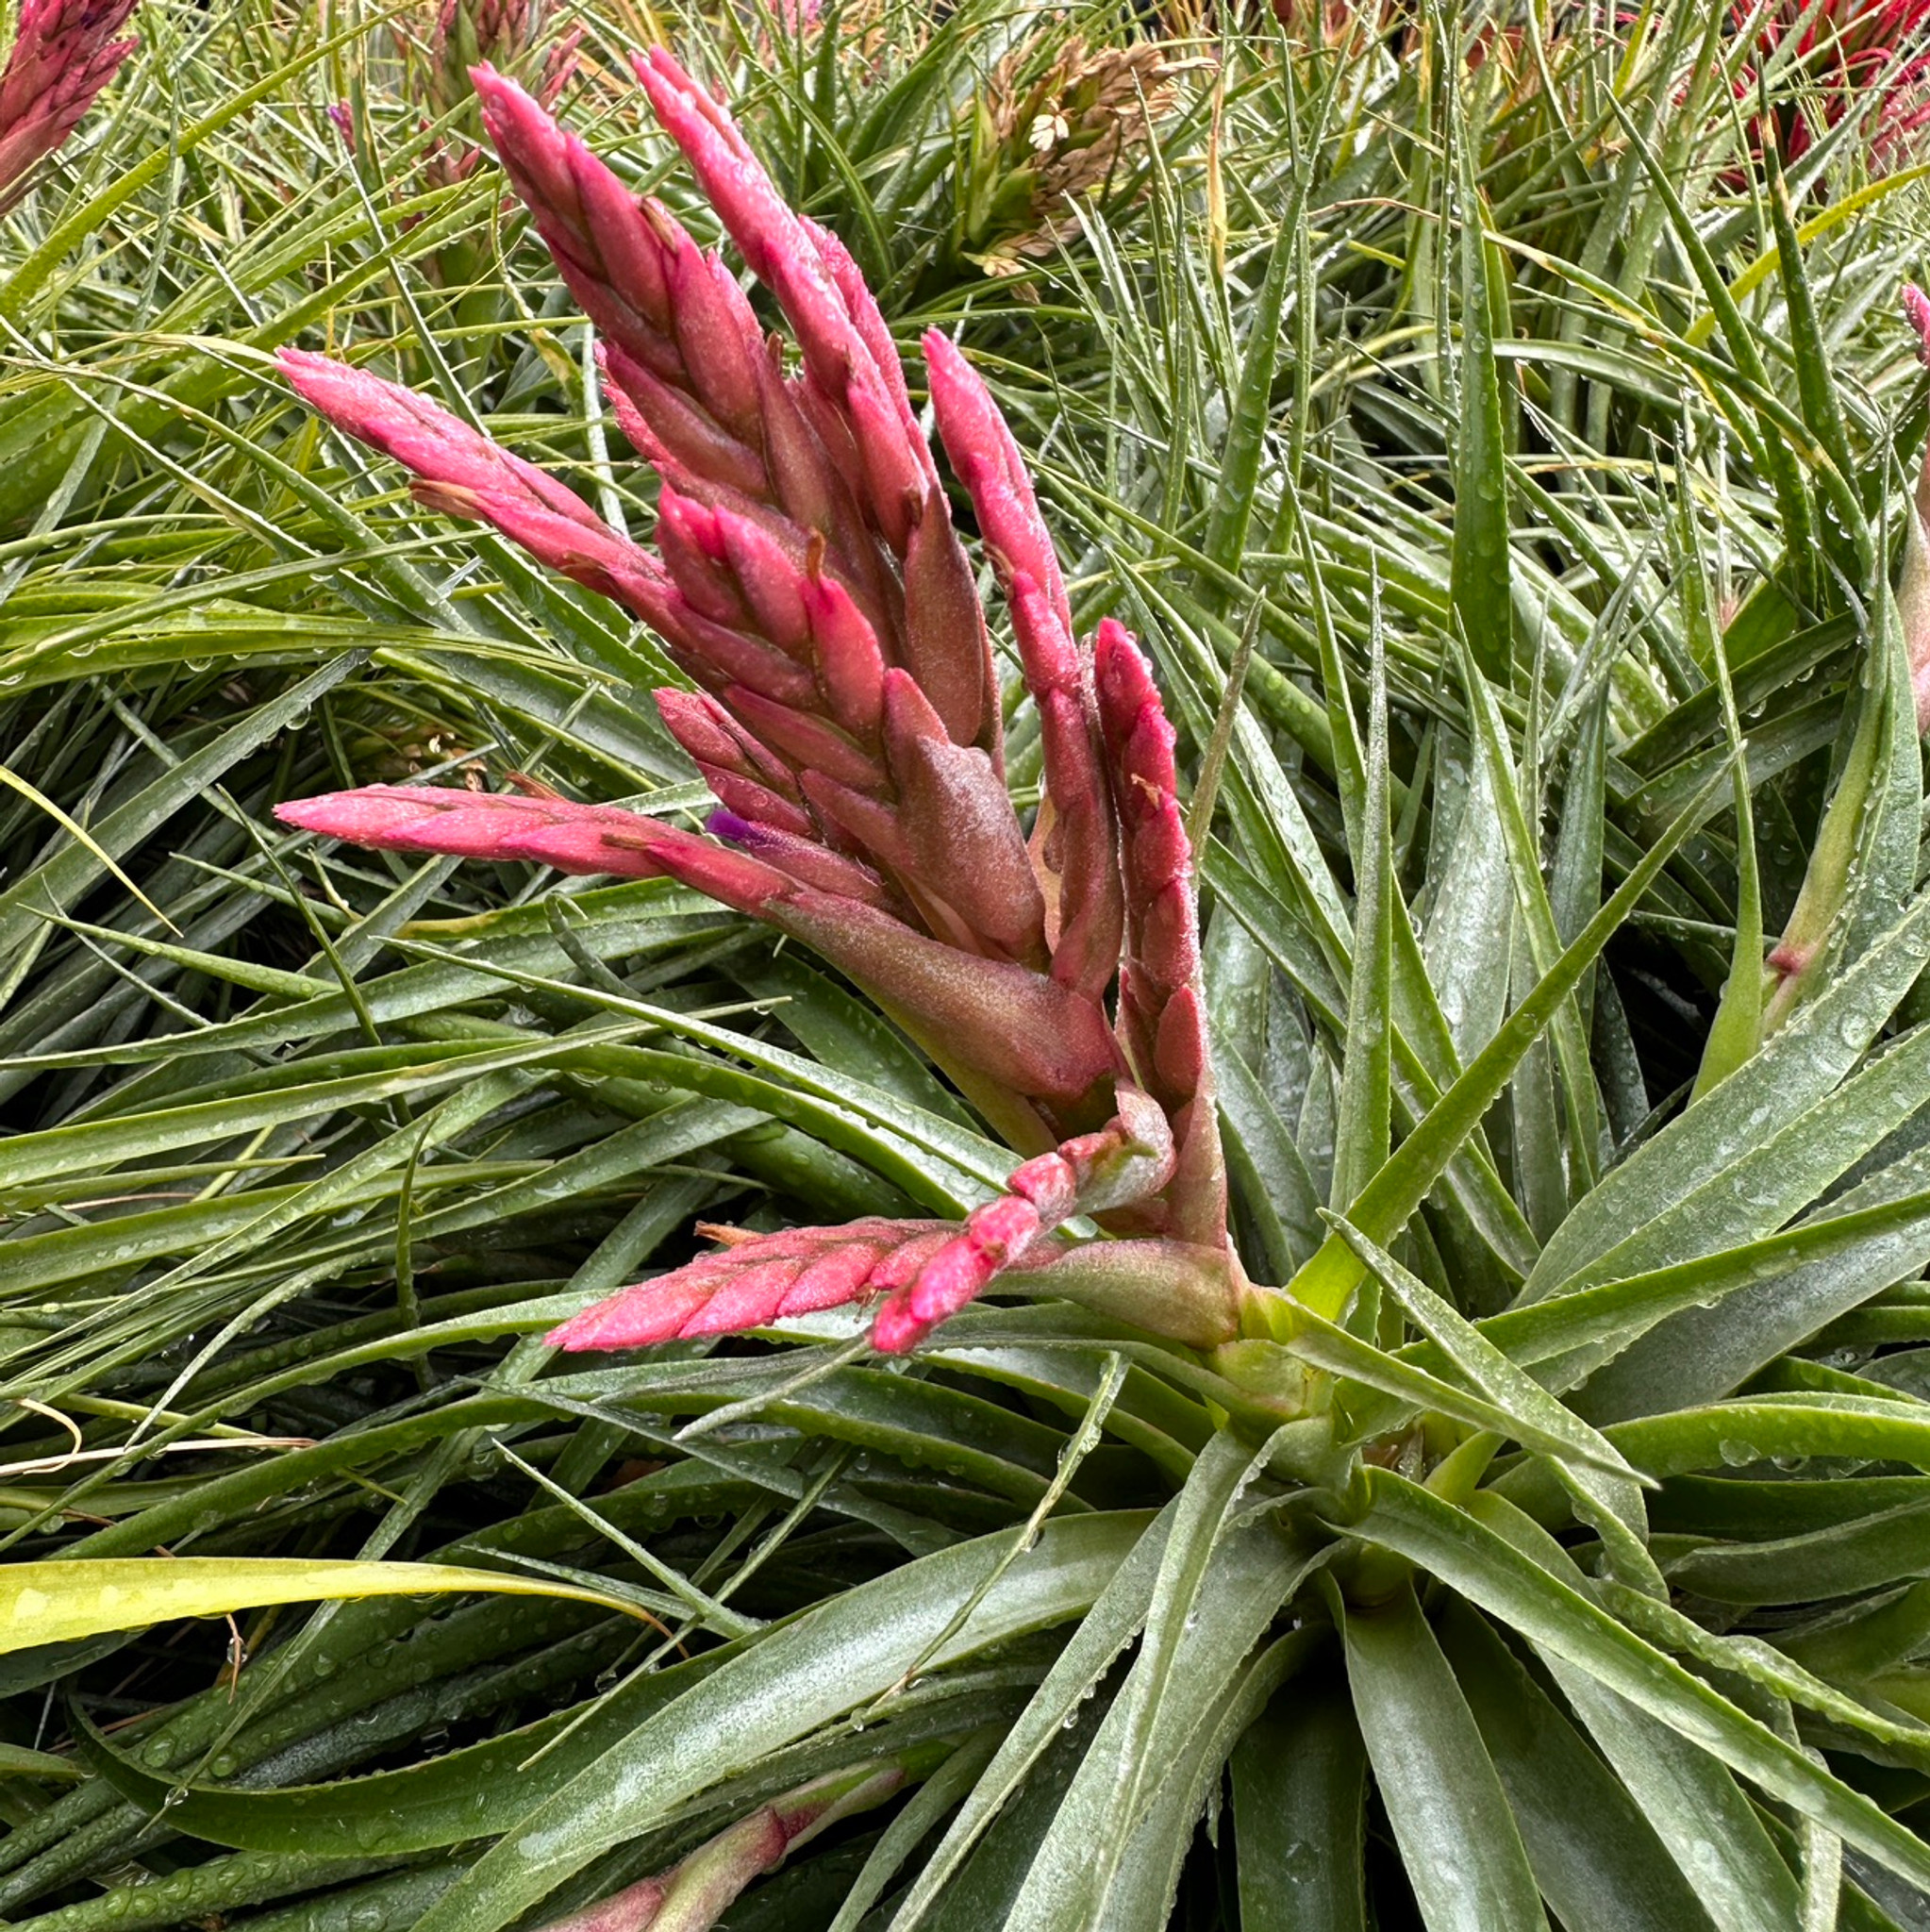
{"points": [[471, 825], [769, 236], [63, 54], [1080, 841], [424, 438], [751, 1279], [1917, 310], [926, 1271], [840, 1276], [846, 347], [543, 831], [989, 464], [1163, 1020]]}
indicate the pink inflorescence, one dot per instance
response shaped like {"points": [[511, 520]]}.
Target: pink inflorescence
{"points": [[64, 53], [807, 577]]}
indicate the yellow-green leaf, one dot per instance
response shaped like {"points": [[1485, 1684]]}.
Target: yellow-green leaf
{"points": [[56, 1601]]}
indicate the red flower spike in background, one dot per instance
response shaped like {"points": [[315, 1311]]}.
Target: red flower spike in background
{"points": [[63, 54], [1845, 56], [808, 578]]}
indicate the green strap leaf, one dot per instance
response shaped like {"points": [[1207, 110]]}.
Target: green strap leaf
{"points": [[1460, 1549], [1384, 1206], [1458, 1839]]}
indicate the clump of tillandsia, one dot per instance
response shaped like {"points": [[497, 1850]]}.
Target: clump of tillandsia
{"points": [[1829, 59], [437, 51], [811, 583], [64, 52], [466, 33], [1057, 122]]}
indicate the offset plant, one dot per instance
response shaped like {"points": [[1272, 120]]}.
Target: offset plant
{"points": [[466, 33], [1058, 123], [811, 582], [64, 53]]}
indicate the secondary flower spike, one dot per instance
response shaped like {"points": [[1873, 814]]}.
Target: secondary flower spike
{"points": [[806, 575], [695, 1892], [64, 52]]}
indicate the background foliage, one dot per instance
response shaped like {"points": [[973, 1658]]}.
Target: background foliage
{"points": [[1527, 333]]}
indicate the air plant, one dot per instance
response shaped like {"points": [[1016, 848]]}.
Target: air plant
{"points": [[436, 58], [1057, 122], [810, 582], [1828, 59], [64, 52], [466, 33]]}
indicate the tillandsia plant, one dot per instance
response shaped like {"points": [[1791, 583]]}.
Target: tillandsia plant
{"points": [[812, 584], [1058, 125], [436, 52], [1511, 512], [64, 52], [1836, 59], [506, 33], [1345, 1429]]}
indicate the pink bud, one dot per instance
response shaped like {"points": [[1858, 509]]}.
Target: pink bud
{"points": [[738, 769], [851, 665], [679, 439], [648, 288], [473, 824], [769, 236], [426, 439], [544, 831], [965, 843], [989, 466], [848, 356], [946, 645], [808, 743], [1162, 1013]]}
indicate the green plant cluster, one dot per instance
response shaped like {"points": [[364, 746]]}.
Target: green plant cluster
{"points": [[1504, 452]]}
